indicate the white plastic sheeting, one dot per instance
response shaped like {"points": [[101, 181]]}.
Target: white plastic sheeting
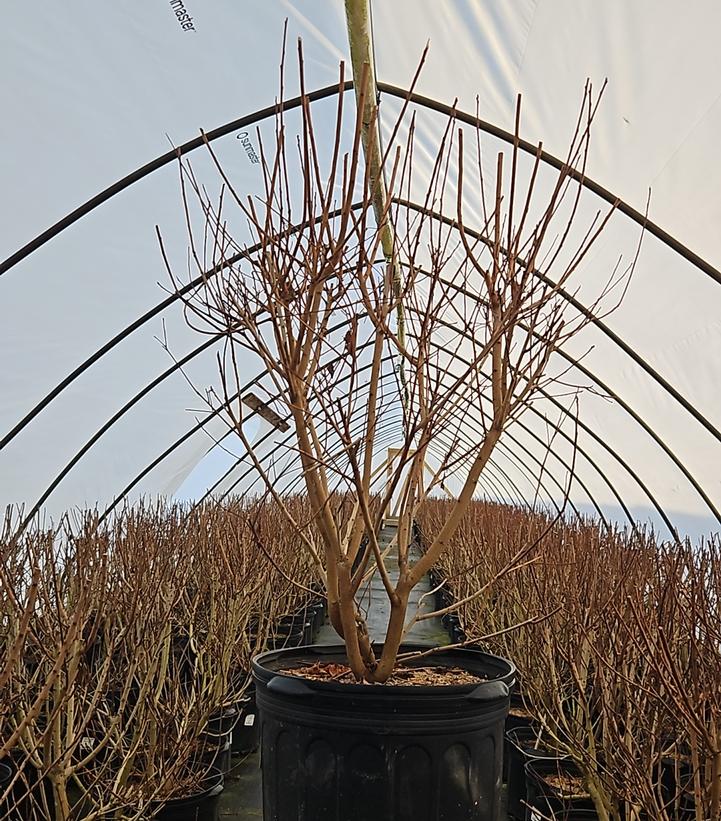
{"points": [[94, 90]]}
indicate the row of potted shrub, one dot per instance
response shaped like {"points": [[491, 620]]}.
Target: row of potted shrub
{"points": [[617, 641], [126, 647]]}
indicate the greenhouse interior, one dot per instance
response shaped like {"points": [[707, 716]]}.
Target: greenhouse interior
{"points": [[359, 411]]}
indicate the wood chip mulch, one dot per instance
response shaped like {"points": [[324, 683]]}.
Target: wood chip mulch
{"points": [[567, 786], [403, 676], [519, 712]]}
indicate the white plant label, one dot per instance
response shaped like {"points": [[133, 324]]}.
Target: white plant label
{"points": [[249, 720]]}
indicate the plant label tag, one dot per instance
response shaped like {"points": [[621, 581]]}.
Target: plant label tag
{"points": [[249, 720], [536, 816]]}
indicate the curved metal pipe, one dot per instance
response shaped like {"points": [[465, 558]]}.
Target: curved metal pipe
{"points": [[586, 372], [591, 433], [138, 323], [529, 148], [159, 162]]}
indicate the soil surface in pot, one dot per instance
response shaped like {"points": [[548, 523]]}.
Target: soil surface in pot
{"points": [[519, 712], [403, 676], [567, 785]]}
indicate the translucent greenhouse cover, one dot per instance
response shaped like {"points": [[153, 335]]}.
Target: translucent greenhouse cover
{"points": [[91, 409]]}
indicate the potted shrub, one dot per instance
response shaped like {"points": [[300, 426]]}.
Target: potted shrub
{"points": [[101, 719], [368, 313]]}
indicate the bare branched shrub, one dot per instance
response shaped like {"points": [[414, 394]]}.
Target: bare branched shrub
{"points": [[119, 643], [356, 330], [617, 642]]}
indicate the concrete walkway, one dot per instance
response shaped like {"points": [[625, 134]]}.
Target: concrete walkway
{"points": [[241, 798]]}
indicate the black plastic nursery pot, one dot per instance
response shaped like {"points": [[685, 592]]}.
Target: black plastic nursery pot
{"points": [[546, 800], [218, 755], [6, 776], [318, 613], [202, 806], [452, 623], [358, 752], [220, 725], [30, 795], [245, 733], [518, 717], [675, 774], [522, 745], [287, 638], [294, 622]]}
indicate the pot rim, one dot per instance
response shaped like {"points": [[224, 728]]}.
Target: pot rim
{"points": [[212, 784], [506, 677]]}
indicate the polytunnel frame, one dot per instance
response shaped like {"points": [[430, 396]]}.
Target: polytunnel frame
{"points": [[177, 366], [250, 468], [215, 338], [240, 459], [535, 436], [503, 445], [524, 467], [217, 411], [604, 328], [417, 99]]}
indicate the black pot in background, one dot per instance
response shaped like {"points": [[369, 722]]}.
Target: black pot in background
{"points": [[282, 640], [245, 733], [444, 598], [676, 776], [217, 755], [341, 752], [547, 801], [318, 611], [292, 622], [6, 776], [220, 725], [516, 720], [308, 632], [457, 634], [31, 795], [522, 745], [203, 806], [519, 715], [450, 621]]}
